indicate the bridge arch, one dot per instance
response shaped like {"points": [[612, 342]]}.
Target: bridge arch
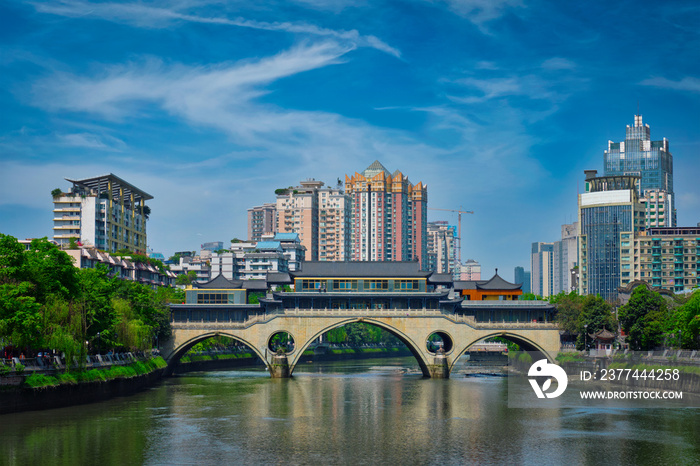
{"points": [[412, 346], [525, 344], [180, 351]]}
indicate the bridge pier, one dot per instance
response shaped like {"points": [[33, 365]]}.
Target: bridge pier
{"points": [[439, 369], [279, 367]]}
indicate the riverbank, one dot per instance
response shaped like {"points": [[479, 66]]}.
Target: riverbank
{"points": [[28, 392]]}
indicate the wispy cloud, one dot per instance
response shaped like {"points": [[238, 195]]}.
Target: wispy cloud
{"points": [[92, 141], [146, 16], [690, 84], [481, 12]]}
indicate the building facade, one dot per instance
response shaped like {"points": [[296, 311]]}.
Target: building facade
{"points": [[388, 217], [542, 266], [104, 212], [653, 163], [565, 259], [521, 277], [441, 248], [666, 258], [610, 214], [470, 270], [320, 217], [261, 220]]}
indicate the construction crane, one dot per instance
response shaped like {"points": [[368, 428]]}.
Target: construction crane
{"points": [[458, 240]]}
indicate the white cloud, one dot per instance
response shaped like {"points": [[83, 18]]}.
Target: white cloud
{"points": [[146, 16], [481, 12], [92, 141], [558, 63], [690, 84]]}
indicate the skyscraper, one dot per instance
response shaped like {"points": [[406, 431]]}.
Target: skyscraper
{"points": [[441, 248], [653, 163], [542, 266], [389, 216], [610, 215], [521, 277], [565, 258]]}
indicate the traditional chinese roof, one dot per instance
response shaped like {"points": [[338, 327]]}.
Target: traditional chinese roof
{"points": [[360, 269], [603, 334], [494, 283], [222, 283]]}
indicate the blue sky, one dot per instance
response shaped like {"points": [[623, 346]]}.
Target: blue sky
{"points": [[498, 106]]}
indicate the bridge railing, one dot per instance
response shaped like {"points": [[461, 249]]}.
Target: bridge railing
{"points": [[314, 312]]}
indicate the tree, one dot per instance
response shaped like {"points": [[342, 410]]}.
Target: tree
{"points": [[644, 318], [530, 297], [685, 322], [569, 307], [596, 315], [183, 280], [51, 270], [56, 193]]}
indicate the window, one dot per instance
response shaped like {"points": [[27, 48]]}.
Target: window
{"points": [[309, 284], [376, 285], [344, 285], [406, 284]]}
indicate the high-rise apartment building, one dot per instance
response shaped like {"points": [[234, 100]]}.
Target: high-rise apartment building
{"points": [[542, 266], [104, 212], [441, 248], [610, 214], [261, 220], [389, 216], [321, 218], [653, 163]]}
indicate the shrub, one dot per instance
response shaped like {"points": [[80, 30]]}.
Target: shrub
{"points": [[19, 368]]}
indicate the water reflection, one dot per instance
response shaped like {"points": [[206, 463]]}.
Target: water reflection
{"points": [[339, 413]]}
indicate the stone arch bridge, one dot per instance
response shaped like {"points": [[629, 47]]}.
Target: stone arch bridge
{"points": [[413, 328]]}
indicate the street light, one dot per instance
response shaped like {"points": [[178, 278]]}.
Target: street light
{"points": [[98, 343], [585, 337]]}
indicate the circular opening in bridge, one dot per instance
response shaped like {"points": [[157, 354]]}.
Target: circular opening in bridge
{"points": [[438, 340], [281, 341]]}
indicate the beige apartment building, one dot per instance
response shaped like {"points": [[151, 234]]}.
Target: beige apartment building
{"points": [[320, 216], [667, 258]]}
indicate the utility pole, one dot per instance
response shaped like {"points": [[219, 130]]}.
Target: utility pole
{"points": [[458, 240]]}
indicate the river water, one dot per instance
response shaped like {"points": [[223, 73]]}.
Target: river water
{"points": [[354, 412]]}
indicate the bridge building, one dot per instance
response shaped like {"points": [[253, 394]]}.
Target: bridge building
{"points": [[410, 303]]}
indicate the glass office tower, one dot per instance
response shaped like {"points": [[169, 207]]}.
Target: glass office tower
{"points": [[653, 163], [610, 213]]}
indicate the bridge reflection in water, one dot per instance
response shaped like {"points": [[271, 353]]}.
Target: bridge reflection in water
{"points": [[411, 304]]}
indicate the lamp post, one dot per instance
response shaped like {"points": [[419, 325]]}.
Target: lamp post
{"points": [[585, 337], [98, 342]]}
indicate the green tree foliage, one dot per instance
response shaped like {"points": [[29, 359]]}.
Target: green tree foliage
{"points": [[569, 307], [359, 333], [45, 302], [56, 193], [644, 318], [686, 323], [530, 297], [596, 315]]}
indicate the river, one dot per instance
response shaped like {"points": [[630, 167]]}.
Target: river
{"points": [[351, 412]]}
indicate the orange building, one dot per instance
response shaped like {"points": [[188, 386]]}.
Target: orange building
{"points": [[495, 289]]}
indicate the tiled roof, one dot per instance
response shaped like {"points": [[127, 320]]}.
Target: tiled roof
{"points": [[370, 269]]}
